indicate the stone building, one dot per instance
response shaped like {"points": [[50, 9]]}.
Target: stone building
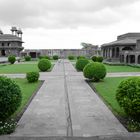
{"points": [[11, 44], [63, 53], [126, 49]]}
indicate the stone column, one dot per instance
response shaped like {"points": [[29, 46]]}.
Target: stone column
{"points": [[107, 52], [113, 52], [136, 58], [125, 55], [110, 52], [103, 52]]}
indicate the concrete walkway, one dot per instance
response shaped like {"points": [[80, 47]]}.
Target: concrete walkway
{"points": [[65, 105]]}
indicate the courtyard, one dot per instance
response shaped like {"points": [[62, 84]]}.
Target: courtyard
{"points": [[65, 105]]}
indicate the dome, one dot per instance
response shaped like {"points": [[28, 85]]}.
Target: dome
{"points": [[1, 32], [19, 31], [13, 29]]}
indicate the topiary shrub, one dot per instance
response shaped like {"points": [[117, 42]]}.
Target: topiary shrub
{"points": [[12, 59], [71, 57], [47, 57], [41, 56], [27, 58], [128, 96], [94, 58], [81, 63], [44, 64], [55, 57], [95, 71], [32, 76], [99, 59], [81, 57], [10, 97], [8, 126]]}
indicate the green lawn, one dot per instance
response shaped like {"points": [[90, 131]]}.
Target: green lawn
{"points": [[107, 90], [19, 68], [121, 68], [111, 68], [35, 62], [27, 89]]}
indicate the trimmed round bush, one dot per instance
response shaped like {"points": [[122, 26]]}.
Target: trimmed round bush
{"points": [[10, 97], [94, 58], [81, 63], [27, 58], [41, 56], [32, 76], [44, 64], [71, 57], [95, 71], [47, 57], [55, 57], [12, 59], [128, 96], [99, 59], [81, 57]]}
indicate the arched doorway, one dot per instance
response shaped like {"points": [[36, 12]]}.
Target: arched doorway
{"points": [[127, 59], [132, 58], [113, 52], [139, 59], [127, 49], [33, 54], [122, 58], [117, 52], [3, 52]]}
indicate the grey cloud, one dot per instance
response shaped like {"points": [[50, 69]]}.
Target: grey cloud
{"points": [[60, 13]]}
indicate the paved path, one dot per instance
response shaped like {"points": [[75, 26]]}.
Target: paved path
{"points": [[65, 105], [43, 75]]}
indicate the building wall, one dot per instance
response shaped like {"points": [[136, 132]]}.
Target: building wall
{"points": [[63, 53], [10, 48]]}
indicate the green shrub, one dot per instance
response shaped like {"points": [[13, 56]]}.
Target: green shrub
{"points": [[99, 59], [94, 58], [81, 63], [32, 76], [41, 57], [12, 59], [10, 97], [47, 57], [71, 57], [128, 96], [95, 71], [55, 57], [133, 125], [44, 64], [8, 126], [81, 57], [27, 58]]}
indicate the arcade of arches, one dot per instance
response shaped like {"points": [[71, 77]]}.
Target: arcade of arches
{"points": [[122, 54]]}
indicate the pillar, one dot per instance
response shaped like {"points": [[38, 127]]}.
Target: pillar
{"points": [[125, 58], [136, 59], [110, 52]]}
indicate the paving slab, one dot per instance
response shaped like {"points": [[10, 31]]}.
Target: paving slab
{"points": [[90, 116], [65, 105], [46, 113]]}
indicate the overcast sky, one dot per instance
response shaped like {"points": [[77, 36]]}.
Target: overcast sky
{"points": [[66, 23]]}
